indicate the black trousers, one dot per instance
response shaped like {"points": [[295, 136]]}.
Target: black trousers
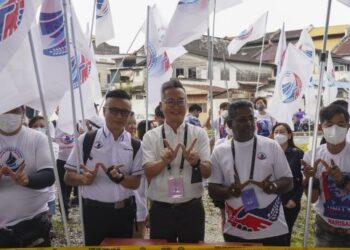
{"points": [[291, 215], [280, 240], [29, 233], [178, 223], [102, 222], [64, 188]]}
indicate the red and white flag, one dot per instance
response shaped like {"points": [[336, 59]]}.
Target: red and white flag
{"points": [[253, 32], [290, 85], [104, 22], [281, 50]]}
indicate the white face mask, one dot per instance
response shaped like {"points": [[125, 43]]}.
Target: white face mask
{"points": [[228, 131], [10, 122], [42, 130], [224, 114], [281, 139], [335, 134]]}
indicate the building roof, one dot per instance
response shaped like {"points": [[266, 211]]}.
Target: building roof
{"points": [[105, 49], [343, 48], [205, 88]]}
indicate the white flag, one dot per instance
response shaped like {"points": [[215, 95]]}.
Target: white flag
{"points": [[189, 22], [104, 22], [291, 83], [306, 44], [330, 90], [16, 18], [346, 2], [82, 75], [222, 5], [253, 32], [281, 50]]}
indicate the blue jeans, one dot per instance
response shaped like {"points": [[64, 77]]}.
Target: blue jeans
{"points": [[324, 238]]}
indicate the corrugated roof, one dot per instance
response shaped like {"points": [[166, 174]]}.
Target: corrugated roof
{"points": [[343, 48]]}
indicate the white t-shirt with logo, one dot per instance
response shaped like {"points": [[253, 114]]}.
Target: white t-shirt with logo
{"points": [[264, 124], [267, 220], [18, 203], [65, 143], [333, 203]]}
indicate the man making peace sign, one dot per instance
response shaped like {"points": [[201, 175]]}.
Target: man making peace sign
{"points": [[175, 158]]}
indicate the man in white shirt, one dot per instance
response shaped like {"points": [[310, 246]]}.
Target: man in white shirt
{"points": [[175, 158], [110, 174], [264, 121], [249, 173], [26, 173], [331, 180]]}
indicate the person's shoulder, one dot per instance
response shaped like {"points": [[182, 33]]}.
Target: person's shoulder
{"points": [[32, 134], [222, 148], [265, 140]]}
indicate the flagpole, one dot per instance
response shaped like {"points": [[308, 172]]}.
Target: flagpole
{"points": [[120, 64], [48, 133], [210, 63], [226, 83], [76, 133], [314, 139], [261, 57], [147, 59], [92, 22], [77, 63]]}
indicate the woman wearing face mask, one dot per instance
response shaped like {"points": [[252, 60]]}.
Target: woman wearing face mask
{"points": [[282, 133]]}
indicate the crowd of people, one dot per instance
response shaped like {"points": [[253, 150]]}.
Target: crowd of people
{"points": [[153, 174]]}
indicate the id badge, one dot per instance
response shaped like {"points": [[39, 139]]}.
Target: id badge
{"points": [[249, 199], [175, 187]]}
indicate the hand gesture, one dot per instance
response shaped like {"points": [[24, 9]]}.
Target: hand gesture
{"points": [[20, 176], [89, 175], [308, 170], [190, 154], [113, 172], [290, 204], [333, 171], [237, 187], [265, 185], [168, 154]]}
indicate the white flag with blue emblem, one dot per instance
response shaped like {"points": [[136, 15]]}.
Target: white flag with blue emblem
{"points": [[189, 22], [253, 32], [330, 90], [16, 18], [104, 22], [290, 85], [306, 44]]}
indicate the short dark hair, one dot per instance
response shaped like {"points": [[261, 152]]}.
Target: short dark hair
{"points": [[342, 103], [224, 105], [194, 107], [118, 93], [158, 112], [172, 83], [141, 128], [261, 98], [34, 120], [327, 113], [236, 105]]}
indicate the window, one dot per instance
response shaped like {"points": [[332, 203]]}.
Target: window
{"points": [[224, 74], [340, 68], [179, 72], [108, 78], [192, 73]]}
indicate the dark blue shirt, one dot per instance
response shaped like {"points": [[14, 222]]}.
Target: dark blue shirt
{"points": [[294, 156]]}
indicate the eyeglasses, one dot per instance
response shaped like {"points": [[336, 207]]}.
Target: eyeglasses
{"points": [[116, 111], [173, 102]]}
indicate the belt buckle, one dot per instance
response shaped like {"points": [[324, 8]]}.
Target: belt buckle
{"points": [[119, 204]]}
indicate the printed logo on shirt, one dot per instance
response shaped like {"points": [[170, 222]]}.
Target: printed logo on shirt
{"points": [[67, 139], [261, 156], [263, 127], [11, 157], [337, 202], [254, 220], [98, 144]]}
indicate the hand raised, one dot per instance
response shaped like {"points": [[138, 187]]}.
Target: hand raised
{"points": [[265, 185], [333, 171], [20, 176], [168, 154], [89, 175], [190, 154], [237, 187], [113, 172], [308, 170]]}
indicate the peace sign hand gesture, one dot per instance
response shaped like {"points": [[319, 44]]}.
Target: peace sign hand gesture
{"points": [[168, 154], [20, 176], [190, 154], [308, 170], [237, 187], [333, 171], [88, 176], [268, 186], [113, 172]]}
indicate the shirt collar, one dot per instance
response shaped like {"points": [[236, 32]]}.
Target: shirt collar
{"points": [[180, 128], [107, 134]]}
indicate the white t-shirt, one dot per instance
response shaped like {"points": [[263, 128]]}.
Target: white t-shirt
{"points": [[333, 203], [110, 152], [65, 143], [268, 219], [20, 203], [152, 145], [264, 124]]}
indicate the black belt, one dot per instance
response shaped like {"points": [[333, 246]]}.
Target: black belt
{"points": [[114, 205], [321, 223], [177, 205]]}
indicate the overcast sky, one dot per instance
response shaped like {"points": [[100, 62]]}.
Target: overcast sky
{"points": [[128, 16]]}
